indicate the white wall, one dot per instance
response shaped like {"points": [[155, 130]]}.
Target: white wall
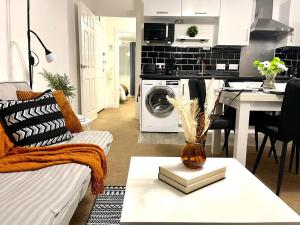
{"points": [[138, 49], [3, 42], [124, 60], [55, 23]]}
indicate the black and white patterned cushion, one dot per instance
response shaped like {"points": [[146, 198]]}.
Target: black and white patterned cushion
{"points": [[36, 122]]}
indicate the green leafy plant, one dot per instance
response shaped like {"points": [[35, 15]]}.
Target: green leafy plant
{"points": [[270, 68], [59, 82], [192, 31]]}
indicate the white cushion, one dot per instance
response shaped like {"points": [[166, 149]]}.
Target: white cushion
{"points": [[8, 89]]}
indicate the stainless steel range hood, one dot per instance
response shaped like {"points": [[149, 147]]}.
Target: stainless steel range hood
{"points": [[264, 26]]}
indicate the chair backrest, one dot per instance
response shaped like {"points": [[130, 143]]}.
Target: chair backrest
{"points": [[197, 90], [289, 127]]}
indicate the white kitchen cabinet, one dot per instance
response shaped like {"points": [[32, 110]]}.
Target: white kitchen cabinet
{"points": [[289, 15], [234, 22], [201, 8], [162, 7]]}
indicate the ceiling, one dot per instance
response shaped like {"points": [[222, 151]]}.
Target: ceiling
{"points": [[117, 8]]}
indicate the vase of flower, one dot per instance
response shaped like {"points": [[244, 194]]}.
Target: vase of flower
{"points": [[270, 69], [193, 155], [196, 121], [269, 82]]}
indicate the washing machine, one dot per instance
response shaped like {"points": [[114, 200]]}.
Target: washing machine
{"points": [[157, 114]]}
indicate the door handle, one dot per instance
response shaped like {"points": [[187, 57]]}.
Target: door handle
{"points": [[83, 66]]}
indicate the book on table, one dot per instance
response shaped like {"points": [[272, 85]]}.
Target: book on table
{"points": [[194, 186], [188, 180]]}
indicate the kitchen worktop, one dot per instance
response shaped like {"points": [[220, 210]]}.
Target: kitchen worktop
{"points": [[224, 76], [192, 74], [173, 77]]}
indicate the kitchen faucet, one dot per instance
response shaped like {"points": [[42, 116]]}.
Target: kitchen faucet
{"points": [[200, 61]]}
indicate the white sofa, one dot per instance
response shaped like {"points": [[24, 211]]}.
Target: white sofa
{"points": [[47, 196]]}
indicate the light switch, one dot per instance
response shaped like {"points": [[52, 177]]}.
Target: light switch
{"points": [[220, 66]]}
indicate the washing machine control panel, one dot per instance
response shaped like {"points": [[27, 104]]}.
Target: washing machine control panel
{"points": [[172, 82], [165, 82]]}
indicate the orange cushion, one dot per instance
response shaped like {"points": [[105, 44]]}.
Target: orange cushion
{"points": [[72, 122], [5, 143]]}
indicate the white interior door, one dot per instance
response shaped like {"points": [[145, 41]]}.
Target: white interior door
{"points": [[100, 66], [88, 71]]}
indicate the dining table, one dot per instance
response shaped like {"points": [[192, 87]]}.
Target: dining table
{"points": [[244, 103]]}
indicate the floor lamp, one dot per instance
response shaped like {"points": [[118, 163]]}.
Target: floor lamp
{"points": [[49, 55]]}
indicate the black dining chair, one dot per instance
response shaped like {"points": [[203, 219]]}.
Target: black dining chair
{"points": [[295, 150], [287, 129], [197, 90]]}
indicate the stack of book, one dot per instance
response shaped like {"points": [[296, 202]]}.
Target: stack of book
{"points": [[188, 180]]}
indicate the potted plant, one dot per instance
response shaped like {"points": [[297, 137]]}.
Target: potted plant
{"points": [[59, 82], [192, 31], [270, 69]]}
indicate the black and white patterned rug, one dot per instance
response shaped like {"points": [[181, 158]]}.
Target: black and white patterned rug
{"points": [[107, 208]]}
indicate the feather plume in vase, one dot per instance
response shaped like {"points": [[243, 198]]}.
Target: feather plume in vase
{"points": [[195, 123]]}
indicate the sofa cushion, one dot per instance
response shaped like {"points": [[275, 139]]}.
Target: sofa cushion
{"points": [[34, 122], [8, 89], [72, 121]]}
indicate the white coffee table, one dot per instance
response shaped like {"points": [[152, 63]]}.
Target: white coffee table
{"points": [[238, 199]]}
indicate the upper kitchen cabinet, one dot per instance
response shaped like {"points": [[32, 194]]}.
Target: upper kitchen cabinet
{"points": [[289, 15], [234, 22], [162, 7], [201, 8]]}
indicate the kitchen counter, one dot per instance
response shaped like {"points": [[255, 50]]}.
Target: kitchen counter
{"points": [[172, 77], [192, 74], [217, 77]]}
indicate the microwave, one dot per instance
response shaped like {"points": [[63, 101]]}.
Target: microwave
{"points": [[159, 32]]}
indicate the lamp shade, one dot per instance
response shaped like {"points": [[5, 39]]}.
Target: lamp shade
{"points": [[50, 57]]}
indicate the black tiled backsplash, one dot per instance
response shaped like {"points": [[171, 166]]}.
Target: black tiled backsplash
{"points": [[290, 55], [186, 58]]}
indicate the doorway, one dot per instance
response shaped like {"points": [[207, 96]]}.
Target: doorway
{"points": [[106, 60], [127, 64]]}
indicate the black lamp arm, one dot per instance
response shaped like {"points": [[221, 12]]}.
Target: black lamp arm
{"points": [[31, 31]]}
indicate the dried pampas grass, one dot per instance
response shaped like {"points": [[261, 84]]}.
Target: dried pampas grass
{"points": [[194, 122], [189, 113]]}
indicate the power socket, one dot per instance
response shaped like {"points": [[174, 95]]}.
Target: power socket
{"points": [[233, 66], [221, 66], [160, 65]]}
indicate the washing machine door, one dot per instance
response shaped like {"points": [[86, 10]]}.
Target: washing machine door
{"points": [[157, 103]]}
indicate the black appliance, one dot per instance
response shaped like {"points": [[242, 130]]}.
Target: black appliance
{"points": [[149, 68], [159, 32], [170, 66]]}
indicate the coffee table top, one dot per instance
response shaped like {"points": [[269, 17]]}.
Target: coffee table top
{"points": [[240, 198]]}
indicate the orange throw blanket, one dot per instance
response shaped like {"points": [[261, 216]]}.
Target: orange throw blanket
{"points": [[19, 159]]}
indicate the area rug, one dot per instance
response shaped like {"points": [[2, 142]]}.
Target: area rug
{"points": [[107, 208]]}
